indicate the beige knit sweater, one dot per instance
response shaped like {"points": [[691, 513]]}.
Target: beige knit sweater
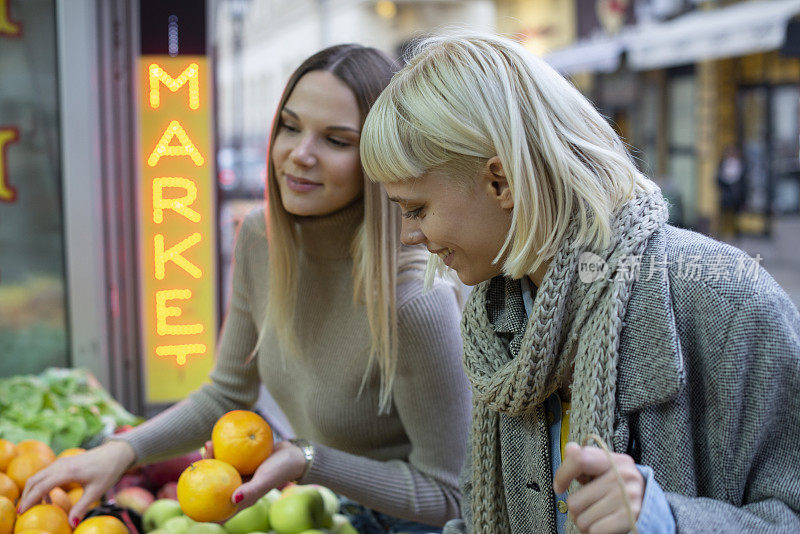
{"points": [[404, 464]]}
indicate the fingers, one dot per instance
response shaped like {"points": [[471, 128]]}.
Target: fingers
{"points": [[91, 494], [40, 484], [615, 523], [579, 461], [600, 498], [208, 450], [245, 496], [600, 505], [274, 472]]}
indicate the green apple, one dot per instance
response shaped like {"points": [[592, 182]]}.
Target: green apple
{"points": [[178, 525], [299, 511], [313, 531], [330, 499], [342, 525], [250, 519], [206, 528], [271, 496], [159, 513], [328, 496]]}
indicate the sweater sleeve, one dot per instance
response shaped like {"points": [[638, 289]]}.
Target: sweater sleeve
{"points": [[758, 430], [432, 398], [234, 381]]}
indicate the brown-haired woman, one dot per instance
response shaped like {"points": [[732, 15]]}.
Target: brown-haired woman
{"points": [[328, 312]]}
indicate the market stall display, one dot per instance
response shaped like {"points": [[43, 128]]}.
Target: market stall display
{"points": [[63, 411]]}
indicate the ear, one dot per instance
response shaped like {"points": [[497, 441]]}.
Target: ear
{"points": [[496, 183]]}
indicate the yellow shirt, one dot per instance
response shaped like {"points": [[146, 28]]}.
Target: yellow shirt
{"points": [[565, 407]]}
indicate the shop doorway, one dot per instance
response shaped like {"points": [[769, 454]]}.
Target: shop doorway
{"points": [[769, 130]]}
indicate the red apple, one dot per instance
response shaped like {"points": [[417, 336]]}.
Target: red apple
{"points": [[160, 473], [137, 499], [130, 480], [168, 491]]}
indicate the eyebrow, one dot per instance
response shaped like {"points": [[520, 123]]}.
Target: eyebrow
{"points": [[400, 200], [344, 128]]}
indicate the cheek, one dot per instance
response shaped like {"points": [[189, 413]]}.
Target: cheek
{"points": [[278, 152], [347, 172]]}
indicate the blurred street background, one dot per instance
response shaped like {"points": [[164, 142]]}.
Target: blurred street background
{"points": [[706, 93]]}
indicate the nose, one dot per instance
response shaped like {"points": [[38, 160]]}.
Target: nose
{"points": [[410, 233], [303, 153]]}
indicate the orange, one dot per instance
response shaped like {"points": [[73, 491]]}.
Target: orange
{"points": [[36, 446], [33, 531], [59, 497], [7, 516], [101, 524], [205, 489], [7, 451], [47, 517], [70, 452], [243, 439], [8, 488], [75, 495], [25, 466]]}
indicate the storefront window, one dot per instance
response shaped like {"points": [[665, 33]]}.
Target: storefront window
{"points": [[33, 333], [786, 148], [753, 109], [681, 165]]}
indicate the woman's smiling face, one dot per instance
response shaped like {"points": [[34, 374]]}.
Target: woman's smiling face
{"points": [[464, 221], [315, 151]]}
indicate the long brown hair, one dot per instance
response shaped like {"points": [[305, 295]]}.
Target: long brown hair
{"points": [[366, 71]]}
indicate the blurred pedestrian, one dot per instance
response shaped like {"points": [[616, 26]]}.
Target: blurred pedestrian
{"points": [[328, 312], [732, 191], [585, 322]]}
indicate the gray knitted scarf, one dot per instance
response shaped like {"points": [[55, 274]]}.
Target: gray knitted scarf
{"points": [[573, 323]]}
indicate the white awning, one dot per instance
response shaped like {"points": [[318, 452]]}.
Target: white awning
{"points": [[737, 30], [591, 55]]}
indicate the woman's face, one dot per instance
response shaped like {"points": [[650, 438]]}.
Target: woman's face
{"points": [[315, 150], [465, 222]]}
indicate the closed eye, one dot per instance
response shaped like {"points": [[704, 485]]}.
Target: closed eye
{"points": [[413, 214], [338, 142]]}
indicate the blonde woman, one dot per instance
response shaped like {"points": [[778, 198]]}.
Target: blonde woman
{"points": [[328, 312], [590, 315]]}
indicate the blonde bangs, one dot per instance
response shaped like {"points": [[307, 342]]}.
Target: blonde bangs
{"points": [[386, 141], [465, 98]]}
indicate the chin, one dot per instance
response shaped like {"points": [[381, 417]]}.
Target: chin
{"points": [[474, 278], [300, 209], [468, 280]]}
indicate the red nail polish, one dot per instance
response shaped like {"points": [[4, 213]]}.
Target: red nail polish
{"points": [[75, 521], [18, 512], [238, 498]]}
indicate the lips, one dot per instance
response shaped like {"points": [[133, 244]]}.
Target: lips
{"points": [[300, 185], [446, 254]]}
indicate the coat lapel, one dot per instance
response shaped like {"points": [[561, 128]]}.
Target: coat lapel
{"points": [[650, 368]]}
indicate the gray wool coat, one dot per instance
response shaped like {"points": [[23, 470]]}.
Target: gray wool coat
{"points": [[708, 395]]}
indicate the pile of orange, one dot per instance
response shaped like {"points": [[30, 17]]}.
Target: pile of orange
{"points": [[19, 462], [242, 441]]}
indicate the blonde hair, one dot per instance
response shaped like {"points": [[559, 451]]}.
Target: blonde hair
{"points": [[377, 258], [465, 98]]}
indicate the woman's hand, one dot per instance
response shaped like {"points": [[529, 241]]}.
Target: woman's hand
{"points": [[285, 464], [96, 470], [599, 506]]}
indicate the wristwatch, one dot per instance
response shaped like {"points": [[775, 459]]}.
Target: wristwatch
{"points": [[308, 453]]}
